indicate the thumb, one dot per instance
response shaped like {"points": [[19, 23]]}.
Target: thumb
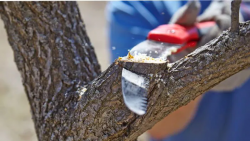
{"points": [[215, 9], [213, 33], [223, 23], [187, 14]]}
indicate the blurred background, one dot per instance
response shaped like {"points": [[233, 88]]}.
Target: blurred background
{"points": [[15, 117]]}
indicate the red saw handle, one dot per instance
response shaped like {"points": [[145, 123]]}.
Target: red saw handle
{"points": [[177, 34]]}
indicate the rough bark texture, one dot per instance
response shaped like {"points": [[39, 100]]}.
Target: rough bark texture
{"points": [[52, 52], [55, 58]]}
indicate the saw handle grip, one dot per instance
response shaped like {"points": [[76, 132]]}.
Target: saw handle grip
{"points": [[183, 35]]}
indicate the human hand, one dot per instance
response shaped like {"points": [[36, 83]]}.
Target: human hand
{"points": [[186, 16], [218, 11]]}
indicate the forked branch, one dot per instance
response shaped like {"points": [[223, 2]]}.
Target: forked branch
{"points": [[55, 58]]}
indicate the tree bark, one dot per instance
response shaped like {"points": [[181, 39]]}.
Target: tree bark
{"points": [[58, 63], [53, 53], [235, 7]]}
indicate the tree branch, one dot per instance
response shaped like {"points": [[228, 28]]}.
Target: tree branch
{"points": [[235, 7], [53, 54], [184, 81]]}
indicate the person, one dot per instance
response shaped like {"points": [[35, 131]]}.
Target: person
{"points": [[220, 114]]}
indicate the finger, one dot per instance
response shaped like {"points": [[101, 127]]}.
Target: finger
{"points": [[227, 7], [213, 33], [215, 9], [187, 14], [223, 21]]}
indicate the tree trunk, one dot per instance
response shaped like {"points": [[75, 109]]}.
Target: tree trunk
{"points": [[58, 65], [53, 54]]}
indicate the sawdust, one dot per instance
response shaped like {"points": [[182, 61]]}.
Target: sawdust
{"points": [[141, 58]]}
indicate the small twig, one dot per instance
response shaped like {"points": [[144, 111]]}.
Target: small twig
{"points": [[235, 6]]}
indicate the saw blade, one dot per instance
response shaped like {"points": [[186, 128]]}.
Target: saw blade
{"points": [[155, 49], [134, 90], [135, 86]]}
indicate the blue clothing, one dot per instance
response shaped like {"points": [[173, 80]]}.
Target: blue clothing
{"points": [[221, 116], [130, 21]]}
